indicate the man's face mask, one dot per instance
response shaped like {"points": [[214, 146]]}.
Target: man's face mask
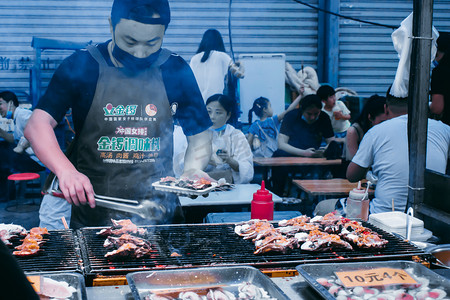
{"points": [[137, 45], [132, 62]]}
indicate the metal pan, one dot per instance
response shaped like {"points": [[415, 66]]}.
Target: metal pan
{"points": [[312, 272], [74, 280], [143, 284]]}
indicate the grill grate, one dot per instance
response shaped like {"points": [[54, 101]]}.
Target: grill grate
{"points": [[217, 244], [61, 253]]}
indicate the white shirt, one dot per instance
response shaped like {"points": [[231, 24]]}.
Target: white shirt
{"points": [[210, 74], [21, 116], [234, 142], [338, 125], [385, 148]]}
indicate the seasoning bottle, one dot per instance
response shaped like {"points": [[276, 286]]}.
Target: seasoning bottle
{"points": [[358, 203], [262, 204]]}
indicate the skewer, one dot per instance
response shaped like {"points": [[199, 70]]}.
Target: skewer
{"points": [[393, 207], [64, 223]]}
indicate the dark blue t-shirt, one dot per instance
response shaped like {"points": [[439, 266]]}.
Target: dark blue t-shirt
{"points": [[303, 135], [74, 82]]}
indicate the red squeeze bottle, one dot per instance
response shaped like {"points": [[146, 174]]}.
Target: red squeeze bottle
{"points": [[262, 204]]}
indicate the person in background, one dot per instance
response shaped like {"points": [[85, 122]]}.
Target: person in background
{"points": [[231, 157], [384, 148], [263, 133], [337, 111], [124, 94], [211, 64], [373, 113], [301, 134], [440, 79], [17, 157]]}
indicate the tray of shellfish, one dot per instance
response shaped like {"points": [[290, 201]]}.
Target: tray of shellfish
{"points": [[375, 280], [185, 187], [240, 282]]}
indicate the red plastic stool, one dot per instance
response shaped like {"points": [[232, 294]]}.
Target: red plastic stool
{"points": [[20, 181]]}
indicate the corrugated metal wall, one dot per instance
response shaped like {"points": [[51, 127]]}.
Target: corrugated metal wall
{"points": [[367, 59], [260, 26]]}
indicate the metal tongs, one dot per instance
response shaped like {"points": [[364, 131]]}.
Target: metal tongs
{"points": [[143, 208]]}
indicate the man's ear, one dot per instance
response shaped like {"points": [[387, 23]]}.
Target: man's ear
{"points": [[386, 109], [111, 29]]}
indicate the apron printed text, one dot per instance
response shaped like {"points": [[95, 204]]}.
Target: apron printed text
{"points": [[128, 144]]}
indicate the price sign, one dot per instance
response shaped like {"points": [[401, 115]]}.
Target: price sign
{"points": [[35, 282], [375, 277]]}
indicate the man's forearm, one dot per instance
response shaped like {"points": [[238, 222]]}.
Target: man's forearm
{"points": [[291, 149], [198, 152], [42, 138]]}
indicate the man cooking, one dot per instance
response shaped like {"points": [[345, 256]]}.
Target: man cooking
{"points": [[125, 95]]}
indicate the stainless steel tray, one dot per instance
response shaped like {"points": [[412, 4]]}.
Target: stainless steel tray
{"points": [[145, 283], [311, 272], [74, 280]]}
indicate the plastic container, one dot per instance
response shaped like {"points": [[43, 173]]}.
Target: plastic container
{"points": [[395, 221], [262, 204], [357, 208]]}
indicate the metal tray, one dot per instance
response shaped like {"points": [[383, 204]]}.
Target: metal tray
{"points": [[311, 272], [145, 283], [183, 191], [73, 279]]}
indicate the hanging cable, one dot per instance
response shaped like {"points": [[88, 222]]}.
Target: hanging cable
{"points": [[344, 17], [229, 29]]}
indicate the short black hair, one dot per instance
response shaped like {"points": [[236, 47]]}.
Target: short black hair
{"points": [[10, 96], [141, 11], [310, 101], [325, 91]]}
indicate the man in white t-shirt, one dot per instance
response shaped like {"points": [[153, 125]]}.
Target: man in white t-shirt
{"points": [[384, 148]]}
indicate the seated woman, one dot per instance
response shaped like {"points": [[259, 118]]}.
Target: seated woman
{"points": [[231, 157], [372, 114], [301, 134]]}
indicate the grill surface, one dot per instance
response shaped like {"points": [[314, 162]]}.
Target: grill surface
{"points": [[217, 244], [60, 254]]}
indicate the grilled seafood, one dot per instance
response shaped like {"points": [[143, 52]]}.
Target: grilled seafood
{"points": [[9, 231], [321, 233], [322, 241], [128, 250], [295, 221], [31, 243], [112, 241], [195, 184], [120, 227]]}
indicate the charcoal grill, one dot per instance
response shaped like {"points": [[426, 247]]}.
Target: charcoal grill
{"points": [[202, 245], [61, 253]]}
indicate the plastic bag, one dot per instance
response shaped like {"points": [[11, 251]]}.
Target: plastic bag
{"points": [[402, 40]]}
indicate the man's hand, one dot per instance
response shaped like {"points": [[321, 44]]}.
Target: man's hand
{"points": [[77, 188], [310, 152]]}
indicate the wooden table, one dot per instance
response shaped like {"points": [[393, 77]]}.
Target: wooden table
{"points": [[336, 187], [295, 161]]}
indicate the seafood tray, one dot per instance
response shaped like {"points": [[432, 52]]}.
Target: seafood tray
{"points": [[200, 280], [183, 191], [73, 280], [323, 279]]}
